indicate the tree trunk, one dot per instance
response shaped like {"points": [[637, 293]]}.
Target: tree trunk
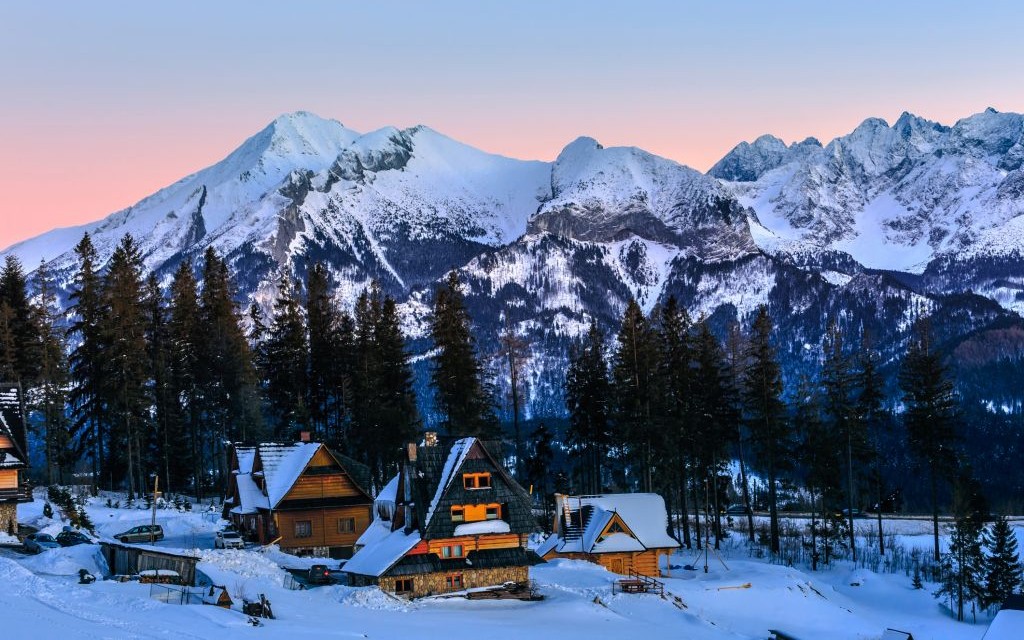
{"points": [[935, 513]]}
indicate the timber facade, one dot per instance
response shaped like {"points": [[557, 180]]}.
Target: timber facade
{"points": [[457, 521], [14, 487], [304, 497]]}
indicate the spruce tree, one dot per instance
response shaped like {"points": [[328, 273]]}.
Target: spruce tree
{"points": [[675, 363], [20, 346], [963, 565], [736, 356], [395, 401], [513, 351], [634, 391], [1002, 568], [51, 397], [321, 321], [765, 413], [819, 455], [125, 367], [184, 428], [538, 467], [872, 418], [838, 382], [929, 416], [461, 395], [713, 420], [587, 391], [86, 360], [286, 362]]}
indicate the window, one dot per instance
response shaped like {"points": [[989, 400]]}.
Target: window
{"points": [[494, 512], [403, 585], [453, 551], [346, 525], [303, 529], [476, 480], [453, 582], [458, 514]]}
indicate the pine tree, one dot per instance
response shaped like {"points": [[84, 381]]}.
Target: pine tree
{"points": [[634, 389], [86, 360], [736, 356], [538, 467], [461, 396], [51, 397], [1002, 568], [765, 413], [587, 391], [930, 415], [819, 456], [395, 401], [513, 351], [713, 420], [287, 371]]}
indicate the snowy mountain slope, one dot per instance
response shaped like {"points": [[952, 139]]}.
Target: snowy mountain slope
{"points": [[893, 197], [545, 248]]}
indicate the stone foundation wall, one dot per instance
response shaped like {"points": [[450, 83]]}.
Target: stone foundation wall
{"points": [[433, 583], [9, 518]]}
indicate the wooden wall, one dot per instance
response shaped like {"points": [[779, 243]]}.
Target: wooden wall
{"points": [[324, 525], [472, 543], [8, 478], [643, 562], [332, 485]]}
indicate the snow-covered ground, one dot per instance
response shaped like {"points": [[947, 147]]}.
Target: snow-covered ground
{"points": [[41, 598]]}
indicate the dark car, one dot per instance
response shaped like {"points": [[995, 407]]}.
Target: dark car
{"points": [[142, 533], [737, 510], [39, 542], [72, 538], [319, 574]]}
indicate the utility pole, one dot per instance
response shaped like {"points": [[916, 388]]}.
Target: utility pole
{"points": [[152, 529]]}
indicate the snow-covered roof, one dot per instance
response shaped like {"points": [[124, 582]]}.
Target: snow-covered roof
{"points": [[456, 456], [250, 498], [1006, 625], [643, 514], [384, 504], [482, 527], [375, 559], [245, 456], [377, 531], [282, 464]]}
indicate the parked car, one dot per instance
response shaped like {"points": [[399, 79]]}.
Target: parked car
{"points": [[141, 533], [319, 574], [39, 542], [72, 538], [228, 540], [737, 510]]}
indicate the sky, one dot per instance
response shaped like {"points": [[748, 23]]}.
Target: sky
{"points": [[103, 103]]}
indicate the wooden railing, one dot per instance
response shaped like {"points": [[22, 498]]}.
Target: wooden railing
{"points": [[639, 583], [22, 493]]}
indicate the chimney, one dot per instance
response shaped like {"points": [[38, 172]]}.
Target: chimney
{"points": [[430, 439], [303, 436]]}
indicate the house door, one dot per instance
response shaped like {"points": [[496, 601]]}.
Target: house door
{"points": [[617, 565]]}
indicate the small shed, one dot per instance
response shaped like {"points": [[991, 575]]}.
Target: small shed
{"points": [[137, 559], [217, 596]]}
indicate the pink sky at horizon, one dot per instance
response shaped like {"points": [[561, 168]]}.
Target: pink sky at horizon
{"points": [[104, 105]]}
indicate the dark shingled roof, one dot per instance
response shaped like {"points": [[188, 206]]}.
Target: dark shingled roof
{"points": [[357, 471], [517, 509], [483, 559], [12, 424]]}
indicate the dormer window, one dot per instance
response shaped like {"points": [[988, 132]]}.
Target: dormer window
{"points": [[458, 514], [476, 480]]}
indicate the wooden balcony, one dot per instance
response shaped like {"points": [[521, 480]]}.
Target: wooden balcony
{"points": [[22, 493]]}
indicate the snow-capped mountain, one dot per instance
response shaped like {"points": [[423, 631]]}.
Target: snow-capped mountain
{"points": [[915, 197], [545, 247]]}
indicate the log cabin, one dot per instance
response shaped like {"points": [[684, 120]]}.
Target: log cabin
{"points": [[458, 521], [14, 487], [622, 532], [305, 497]]}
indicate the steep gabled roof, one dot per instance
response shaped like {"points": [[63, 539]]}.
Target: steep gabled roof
{"points": [[280, 465], [436, 488], [12, 428]]}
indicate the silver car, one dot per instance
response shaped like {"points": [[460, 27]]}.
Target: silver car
{"points": [[228, 540]]}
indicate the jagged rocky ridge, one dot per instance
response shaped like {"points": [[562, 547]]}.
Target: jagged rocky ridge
{"points": [[546, 246]]}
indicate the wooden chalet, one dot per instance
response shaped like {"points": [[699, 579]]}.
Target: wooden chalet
{"points": [[302, 496], [453, 520], [622, 532], [14, 486]]}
